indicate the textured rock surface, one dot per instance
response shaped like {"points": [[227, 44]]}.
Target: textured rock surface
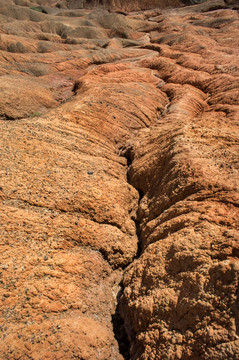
{"points": [[67, 214], [122, 163], [184, 286]]}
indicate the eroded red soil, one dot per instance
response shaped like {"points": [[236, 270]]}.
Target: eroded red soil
{"points": [[119, 181]]}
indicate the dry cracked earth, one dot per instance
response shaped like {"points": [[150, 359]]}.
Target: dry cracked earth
{"points": [[119, 180]]}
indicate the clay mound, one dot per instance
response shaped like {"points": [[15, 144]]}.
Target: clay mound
{"points": [[54, 45], [120, 5], [188, 241], [35, 98]]}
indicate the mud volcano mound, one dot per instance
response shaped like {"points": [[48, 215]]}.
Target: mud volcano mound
{"points": [[119, 180]]}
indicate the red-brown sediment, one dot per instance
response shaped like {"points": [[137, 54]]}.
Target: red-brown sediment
{"points": [[133, 175]]}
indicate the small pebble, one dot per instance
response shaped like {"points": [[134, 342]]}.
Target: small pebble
{"points": [[90, 172]]}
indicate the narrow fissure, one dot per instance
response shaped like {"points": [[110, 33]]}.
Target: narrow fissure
{"points": [[138, 233], [119, 329], [128, 154], [137, 224]]}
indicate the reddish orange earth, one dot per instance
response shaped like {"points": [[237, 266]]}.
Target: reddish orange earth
{"points": [[119, 180]]}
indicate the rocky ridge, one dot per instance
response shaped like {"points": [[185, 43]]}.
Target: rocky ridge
{"points": [[119, 182]]}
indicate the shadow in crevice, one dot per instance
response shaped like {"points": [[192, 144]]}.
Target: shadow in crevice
{"points": [[193, 2], [119, 331], [236, 311], [138, 229], [117, 320]]}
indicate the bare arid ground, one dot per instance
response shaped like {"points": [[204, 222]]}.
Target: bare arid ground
{"points": [[119, 180]]}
